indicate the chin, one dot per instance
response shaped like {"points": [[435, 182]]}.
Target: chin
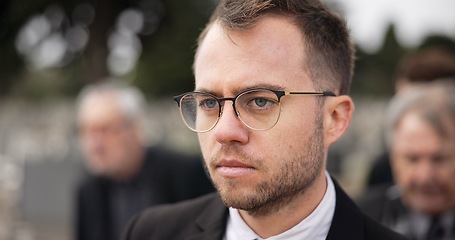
{"points": [[429, 206]]}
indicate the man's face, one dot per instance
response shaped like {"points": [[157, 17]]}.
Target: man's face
{"points": [[259, 171], [424, 166], [108, 139]]}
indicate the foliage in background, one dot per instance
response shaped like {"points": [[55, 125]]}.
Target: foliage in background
{"points": [[164, 64]]}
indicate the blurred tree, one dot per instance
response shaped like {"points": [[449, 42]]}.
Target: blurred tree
{"points": [[166, 64], [163, 50], [438, 40], [164, 46], [10, 63], [18, 77], [94, 61], [374, 72]]}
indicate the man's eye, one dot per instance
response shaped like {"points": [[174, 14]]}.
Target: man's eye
{"points": [[261, 102], [208, 103], [412, 158], [442, 159]]}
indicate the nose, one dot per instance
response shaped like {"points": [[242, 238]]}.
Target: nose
{"points": [[93, 138], [424, 172], [229, 128]]}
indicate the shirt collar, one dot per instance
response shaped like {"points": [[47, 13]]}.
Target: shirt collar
{"points": [[316, 226]]}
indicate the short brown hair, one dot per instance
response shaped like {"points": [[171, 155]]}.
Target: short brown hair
{"points": [[426, 65], [329, 51]]}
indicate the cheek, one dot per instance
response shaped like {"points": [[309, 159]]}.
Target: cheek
{"points": [[293, 126], [206, 145], [446, 177], [295, 112], [402, 172], [203, 140], [125, 139]]}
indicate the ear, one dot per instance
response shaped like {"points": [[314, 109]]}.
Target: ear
{"points": [[337, 118]]}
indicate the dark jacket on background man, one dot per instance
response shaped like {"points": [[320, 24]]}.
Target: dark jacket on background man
{"points": [[105, 206], [384, 205]]}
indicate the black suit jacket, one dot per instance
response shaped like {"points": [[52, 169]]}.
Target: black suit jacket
{"points": [[205, 218], [383, 204], [167, 176]]}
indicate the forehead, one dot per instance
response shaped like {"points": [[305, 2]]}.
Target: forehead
{"points": [[414, 132], [272, 52], [99, 108]]}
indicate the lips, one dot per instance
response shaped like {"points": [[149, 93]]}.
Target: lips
{"points": [[233, 169]]}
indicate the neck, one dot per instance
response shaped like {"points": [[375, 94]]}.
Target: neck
{"points": [[290, 214]]}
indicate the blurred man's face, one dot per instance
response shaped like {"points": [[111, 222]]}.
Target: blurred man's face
{"points": [[109, 141], [424, 166]]}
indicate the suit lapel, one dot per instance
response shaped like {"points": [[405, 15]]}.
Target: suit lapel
{"points": [[211, 223], [347, 220]]}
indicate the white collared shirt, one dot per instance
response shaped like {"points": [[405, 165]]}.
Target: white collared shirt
{"points": [[315, 227]]}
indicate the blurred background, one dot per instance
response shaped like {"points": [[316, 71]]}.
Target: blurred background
{"points": [[49, 49]]}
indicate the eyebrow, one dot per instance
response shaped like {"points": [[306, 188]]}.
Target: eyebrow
{"points": [[238, 90]]}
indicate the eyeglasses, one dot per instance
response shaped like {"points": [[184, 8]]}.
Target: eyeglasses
{"points": [[259, 109]]}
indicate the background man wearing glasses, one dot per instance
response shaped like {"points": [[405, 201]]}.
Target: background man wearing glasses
{"points": [[265, 110], [126, 175], [420, 128]]}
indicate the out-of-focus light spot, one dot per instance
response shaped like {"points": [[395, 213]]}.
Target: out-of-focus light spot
{"points": [[121, 60], [77, 38], [156, 6], [151, 22], [50, 53], [50, 40], [130, 20], [124, 44], [83, 14], [124, 38], [55, 15], [153, 11], [33, 32], [125, 49]]}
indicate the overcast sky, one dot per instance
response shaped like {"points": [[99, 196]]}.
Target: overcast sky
{"points": [[413, 20]]}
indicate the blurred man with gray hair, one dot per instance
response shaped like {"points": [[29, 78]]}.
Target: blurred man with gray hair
{"points": [[126, 175], [421, 138]]}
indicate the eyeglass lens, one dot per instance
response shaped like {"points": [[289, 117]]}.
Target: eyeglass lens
{"points": [[257, 109]]}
